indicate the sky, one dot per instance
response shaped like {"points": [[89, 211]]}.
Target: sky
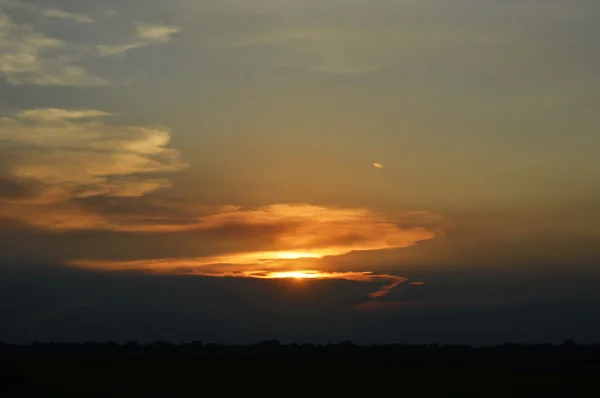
{"points": [[240, 170]]}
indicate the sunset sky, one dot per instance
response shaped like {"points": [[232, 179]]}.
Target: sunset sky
{"points": [[315, 170]]}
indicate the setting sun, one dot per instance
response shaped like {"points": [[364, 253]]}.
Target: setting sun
{"points": [[296, 275]]}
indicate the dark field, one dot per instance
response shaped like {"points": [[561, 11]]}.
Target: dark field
{"points": [[196, 369]]}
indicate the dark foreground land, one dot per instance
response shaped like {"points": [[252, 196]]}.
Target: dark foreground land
{"points": [[270, 368]]}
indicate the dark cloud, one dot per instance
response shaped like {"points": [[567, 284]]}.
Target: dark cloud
{"points": [[10, 189]]}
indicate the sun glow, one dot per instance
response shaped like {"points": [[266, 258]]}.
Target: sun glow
{"points": [[296, 275], [300, 235], [286, 255]]}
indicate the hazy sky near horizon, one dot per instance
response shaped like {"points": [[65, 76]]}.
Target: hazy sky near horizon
{"points": [[407, 154]]}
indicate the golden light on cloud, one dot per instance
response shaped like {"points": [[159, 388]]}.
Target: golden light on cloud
{"points": [[295, 232], [188, 267], [296, 275], [63, 158], [61, 155], [300, 235]]}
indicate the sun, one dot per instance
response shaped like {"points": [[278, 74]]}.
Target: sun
{"points": [[295, 275]]}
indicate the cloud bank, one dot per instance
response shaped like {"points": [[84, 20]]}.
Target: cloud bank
{"points": [[58, 156], [297, 235], [70, 170]]}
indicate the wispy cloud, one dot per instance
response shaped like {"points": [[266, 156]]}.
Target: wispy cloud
{"points": [[59, 14], [27, 56], [146, 35], [56, 114], [46, 12], [156, 33], [389, 281], [297, 236], [280, 270]]}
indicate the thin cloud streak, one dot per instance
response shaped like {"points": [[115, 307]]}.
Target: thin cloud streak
{"points": [[59, 14], [47, 12], [189, 267], [146, 35], [391, 281]]}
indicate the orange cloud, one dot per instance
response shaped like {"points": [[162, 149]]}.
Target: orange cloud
{"points": [[64, 155], [298, 236], [294, 232], [67, 158], [71, 170], [316, 231], [195, 267], [391, 281]]}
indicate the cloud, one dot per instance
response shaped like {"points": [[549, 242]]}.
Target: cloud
{"points": [[27, 56], [56, 114], [390, 281], [67, 154], [309, 230], [107, 51], [156, 33], [59, 14], [12, 189], [298, 235], [47, 12], [278, 270], [146, 35], [289, 240], [65, 158]]}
